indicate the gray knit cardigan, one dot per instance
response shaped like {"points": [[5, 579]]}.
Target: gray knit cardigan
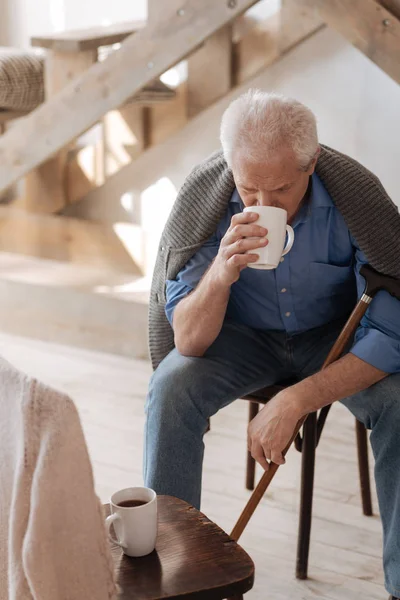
{"points": [[371, 216]]}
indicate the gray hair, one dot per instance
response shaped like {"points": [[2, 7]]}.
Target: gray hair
{"points": [[258, 124]]}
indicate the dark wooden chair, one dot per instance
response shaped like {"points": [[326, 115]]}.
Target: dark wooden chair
{"points": [[307, 444], [193, 560]]}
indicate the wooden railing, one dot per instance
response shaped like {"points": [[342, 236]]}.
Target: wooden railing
{"points": [[104, 86], [184, 26], [370, 26]]}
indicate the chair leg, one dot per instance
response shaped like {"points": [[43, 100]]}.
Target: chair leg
{"points": [[251, 463], [363, 467], [307, 486]]}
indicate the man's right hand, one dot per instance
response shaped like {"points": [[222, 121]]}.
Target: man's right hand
{"points": [[232, 258]]}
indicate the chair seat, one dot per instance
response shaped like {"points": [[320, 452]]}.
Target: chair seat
{"points": [[21, 79], [193, 559], [263, 395]]}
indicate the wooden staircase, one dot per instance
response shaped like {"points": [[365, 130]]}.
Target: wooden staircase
{"points": [[106, 105]]}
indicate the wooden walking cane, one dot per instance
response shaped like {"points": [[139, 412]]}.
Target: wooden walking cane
{"points": [[374, 282]]}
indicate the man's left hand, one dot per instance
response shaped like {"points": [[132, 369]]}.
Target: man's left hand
{"points": [[270, 431]]}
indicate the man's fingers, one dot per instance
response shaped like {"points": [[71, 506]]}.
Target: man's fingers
{"points": [[243, 246], [243, 231], [238, 260], [277, 457], [266, 453], [244, 217], [246, 244], [258, 454]]}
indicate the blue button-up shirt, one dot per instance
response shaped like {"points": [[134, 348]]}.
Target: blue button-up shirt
{"points": [[317, 282]]}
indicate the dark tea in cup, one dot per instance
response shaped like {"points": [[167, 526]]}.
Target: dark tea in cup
{"points": [[131, 503]]}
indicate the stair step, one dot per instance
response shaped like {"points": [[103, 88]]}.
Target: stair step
{"points": [[154, 92], [78, 306], [90, 38]]}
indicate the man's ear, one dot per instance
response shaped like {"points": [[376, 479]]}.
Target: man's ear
{"points": [[314, 161]]}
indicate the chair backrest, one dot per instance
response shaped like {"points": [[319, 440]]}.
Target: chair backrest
{"points": [[52, 536]]}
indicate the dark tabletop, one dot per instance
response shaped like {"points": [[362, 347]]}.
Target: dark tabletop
{"points": [[193, 559]]}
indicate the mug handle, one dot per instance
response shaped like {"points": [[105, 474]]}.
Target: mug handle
{"points": [[109, 521], [290, 241]]}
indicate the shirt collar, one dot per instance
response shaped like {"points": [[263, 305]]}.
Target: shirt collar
{"points": [[235, 197], [319, 198], [319, 195]]}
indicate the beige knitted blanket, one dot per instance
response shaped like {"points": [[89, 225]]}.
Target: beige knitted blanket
{"points": [[52, 538]]}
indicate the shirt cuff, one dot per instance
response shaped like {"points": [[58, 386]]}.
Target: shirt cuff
{"points": [[377, 349]]}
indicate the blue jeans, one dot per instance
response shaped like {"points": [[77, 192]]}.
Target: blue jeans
{"points": [[184, 392]]}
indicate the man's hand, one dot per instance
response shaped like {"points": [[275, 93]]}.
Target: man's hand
{"points": [[232, 258], [271, 430]]}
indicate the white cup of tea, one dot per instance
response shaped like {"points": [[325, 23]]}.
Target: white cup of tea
{"points": [[134, 516], [275, 220]]}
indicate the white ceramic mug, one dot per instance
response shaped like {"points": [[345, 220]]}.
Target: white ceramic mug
{"points": [[134, 526], [275, 220]]}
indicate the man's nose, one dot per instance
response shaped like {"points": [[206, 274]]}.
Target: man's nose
{"points": [[266, 199]]}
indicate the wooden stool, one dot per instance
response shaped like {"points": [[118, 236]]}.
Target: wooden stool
{"points": [[194, 559], [307, 445]]}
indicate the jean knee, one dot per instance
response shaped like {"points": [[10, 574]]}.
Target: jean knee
{"points": [[176, 384]]}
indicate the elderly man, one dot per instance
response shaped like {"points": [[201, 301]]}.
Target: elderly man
{"points": [[237, 329]]}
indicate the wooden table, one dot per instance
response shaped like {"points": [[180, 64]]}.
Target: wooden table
{"points": [[194, 559]]}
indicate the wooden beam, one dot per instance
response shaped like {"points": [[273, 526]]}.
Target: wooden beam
{"points": [[158, 12], [89, 38], [167, 118], [369, 27], [65, 239], [392, 6], [260, 42], [141, 58], [124, 137], [45, 188], [298, 20], [85, 170], [210, 72], [256, 45]]}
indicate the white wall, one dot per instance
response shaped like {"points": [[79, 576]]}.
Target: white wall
{"points": [[80, 14], [21, 19]]}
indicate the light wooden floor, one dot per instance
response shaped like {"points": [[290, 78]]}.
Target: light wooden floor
{"points": [[345, 561]]}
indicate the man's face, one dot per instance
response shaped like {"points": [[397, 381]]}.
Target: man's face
{"points": [[279, 182]]}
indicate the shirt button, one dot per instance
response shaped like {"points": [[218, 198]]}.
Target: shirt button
{"points": [[283, 290], [282, 259], [287, 314]]}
